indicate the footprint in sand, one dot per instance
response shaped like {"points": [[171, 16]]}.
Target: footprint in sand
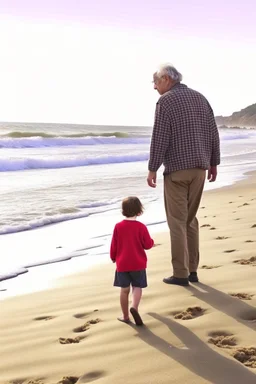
{"points": [[243, 205], [210, 266], [253, 226], [189, 313], [202, 207], [251, 261], [237, 219], [83, 315], [44, 318], [70, 340], [234, 212], [86, 326], [86, 378], [39, 380], [68, 380], [246, 356], [91, 376], [212, 229], [222, 339], [17, 381], [249, 241], [221, 238], [230, 250], [205, 225], [249, 315], [242, 296]]}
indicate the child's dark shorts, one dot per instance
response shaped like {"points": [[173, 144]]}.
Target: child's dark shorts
{"points": [[134, 278]]}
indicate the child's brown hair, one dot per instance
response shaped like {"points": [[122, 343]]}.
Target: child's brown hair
{"points": [[131, 206]]}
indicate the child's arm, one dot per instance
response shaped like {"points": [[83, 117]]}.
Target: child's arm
{"points": [[113, 246], [148, 242]]}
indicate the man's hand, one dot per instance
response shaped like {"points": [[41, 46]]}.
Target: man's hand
{"points": [[151, 179], [212, 174]]}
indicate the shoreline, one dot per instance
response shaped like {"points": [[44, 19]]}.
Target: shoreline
{"points": [[86, 252]]}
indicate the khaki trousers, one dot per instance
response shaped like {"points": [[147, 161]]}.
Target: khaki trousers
{"points": [[182, 195]]}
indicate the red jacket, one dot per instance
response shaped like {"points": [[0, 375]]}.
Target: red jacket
{"points": [[129, 241]]}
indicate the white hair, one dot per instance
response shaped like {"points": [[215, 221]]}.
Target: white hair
{"points": [[169, 70]]}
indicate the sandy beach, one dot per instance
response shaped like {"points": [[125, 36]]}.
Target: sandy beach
{"points": [[204, 333]]}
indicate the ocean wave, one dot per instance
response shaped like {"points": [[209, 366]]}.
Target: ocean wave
{"points": [[237, 136], [19, 134], [16, 139], [59, 216], [66, 214], [245, 152], [54, 219], [12, 274], [98, 204], [19, 164], [37, 223], [40, 142]]}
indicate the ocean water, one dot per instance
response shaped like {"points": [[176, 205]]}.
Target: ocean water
{"points": [[76, 176]]}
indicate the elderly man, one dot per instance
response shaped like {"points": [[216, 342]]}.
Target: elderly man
{"points": [[185, 140]]}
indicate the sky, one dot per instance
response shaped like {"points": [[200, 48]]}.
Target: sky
{"points": [[91, 62]]}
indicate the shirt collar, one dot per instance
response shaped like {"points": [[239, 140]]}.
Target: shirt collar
{"points": [[178, 85]]}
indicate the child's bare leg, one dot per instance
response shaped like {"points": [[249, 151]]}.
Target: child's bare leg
{"points": [[124, 301], [136, 296]]}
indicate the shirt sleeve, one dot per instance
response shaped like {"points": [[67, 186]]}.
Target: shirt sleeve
{"points": [[113, 246], [215, 156], [160, 138], [146, 239]]}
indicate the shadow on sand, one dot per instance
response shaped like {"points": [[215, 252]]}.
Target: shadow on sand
{"points": [[235, 308], [197, 356]]}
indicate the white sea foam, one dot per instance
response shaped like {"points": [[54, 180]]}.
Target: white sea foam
{"points": [[19, 164], [40, 222], [237, 135], [24, 263], [39, 142], [12, 274], [47, 220]]}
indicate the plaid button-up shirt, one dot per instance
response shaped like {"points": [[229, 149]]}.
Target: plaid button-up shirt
{"points": [[185, 134]]}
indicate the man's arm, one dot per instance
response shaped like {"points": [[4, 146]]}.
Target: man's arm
{"points": [[215, 158], [215, 155], [160, 139]]}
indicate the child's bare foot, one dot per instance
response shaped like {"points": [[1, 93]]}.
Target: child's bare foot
{"points": [[127, 321]]}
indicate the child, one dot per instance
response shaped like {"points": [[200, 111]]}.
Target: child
{"points": [[129, 241]]}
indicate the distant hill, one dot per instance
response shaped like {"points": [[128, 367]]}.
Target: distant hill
{"points": [[246, 118]]}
